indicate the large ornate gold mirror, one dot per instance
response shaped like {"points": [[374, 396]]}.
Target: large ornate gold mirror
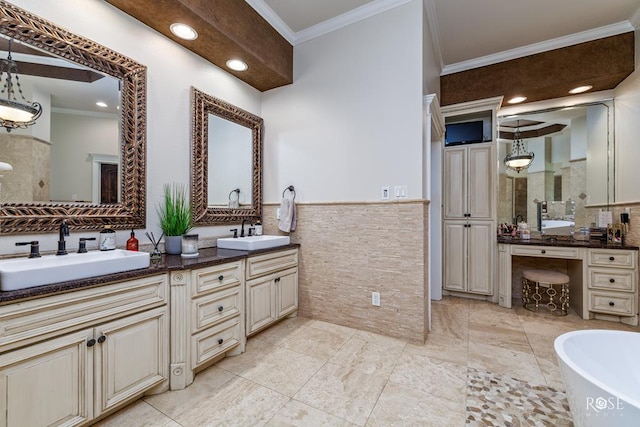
{"points": [[126, 208], [226, 167]]}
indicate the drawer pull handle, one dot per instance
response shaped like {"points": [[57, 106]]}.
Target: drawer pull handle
{"points": [[91, 342], [543, 251], [220, 308], [611, 258], [612, 280], [102, 339], [220, 341], [611, 303], [277, 279], [220, 277]]}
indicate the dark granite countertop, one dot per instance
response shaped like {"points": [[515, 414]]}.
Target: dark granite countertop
{"points": [[563, 242], [206, 257]]}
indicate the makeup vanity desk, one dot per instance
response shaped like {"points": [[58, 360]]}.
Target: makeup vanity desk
{"points": [[604, 278]]}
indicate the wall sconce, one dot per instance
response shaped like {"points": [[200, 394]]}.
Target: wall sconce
{"points": [[13, 112], [519, 158]]}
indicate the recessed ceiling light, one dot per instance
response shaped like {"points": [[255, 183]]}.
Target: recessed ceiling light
{"points": [[183, 31], [517, 99], [580, 89], [101, 104], [237, 65]]}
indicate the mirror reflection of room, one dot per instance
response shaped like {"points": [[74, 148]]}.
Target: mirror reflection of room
{"points": [[570, 172], [71, 153]]}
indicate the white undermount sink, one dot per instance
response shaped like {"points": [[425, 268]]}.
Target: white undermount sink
{"points": [[21, 273], [253, 243]]}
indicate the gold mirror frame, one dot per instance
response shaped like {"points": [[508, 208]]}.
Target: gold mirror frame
{"points": [[202, 106], [131, 211]]}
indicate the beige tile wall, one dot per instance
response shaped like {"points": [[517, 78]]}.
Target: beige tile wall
{"points": [[349, 250], [29, 157]]}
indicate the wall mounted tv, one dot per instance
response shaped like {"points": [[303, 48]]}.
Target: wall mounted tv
{"points": [[464, 133]]}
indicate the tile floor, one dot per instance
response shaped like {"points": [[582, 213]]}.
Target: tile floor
{"points": [[303, 372]]}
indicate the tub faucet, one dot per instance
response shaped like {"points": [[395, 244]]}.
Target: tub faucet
{"points": [[519, 216], [64, 231], [242, 228]]}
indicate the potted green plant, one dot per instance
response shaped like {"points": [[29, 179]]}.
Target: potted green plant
{"points": [[175, 216]]}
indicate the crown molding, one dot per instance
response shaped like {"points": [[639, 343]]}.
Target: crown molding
{"points": [[532, 49], [325, 27], [273, 19], [434, 29], [348, 18]]}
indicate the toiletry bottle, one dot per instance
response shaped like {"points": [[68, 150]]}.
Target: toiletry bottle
{"points": [[107, 239], [132, 243], [258, 228]]}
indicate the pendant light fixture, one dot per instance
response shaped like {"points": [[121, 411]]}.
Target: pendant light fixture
{"points": [[519, 158], [14, 113]]}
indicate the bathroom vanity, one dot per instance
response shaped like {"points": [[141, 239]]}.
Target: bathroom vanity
{"points": [[604, 278], [85, 348]]}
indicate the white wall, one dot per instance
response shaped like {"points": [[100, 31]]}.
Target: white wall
{"points": [[171, 70], [579, 138], [73, 138], [627, 107], [352, 120]]}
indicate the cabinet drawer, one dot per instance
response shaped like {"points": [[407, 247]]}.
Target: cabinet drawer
{"points": [[38, 319], [211, 279], [545, 251], [268, 263], [214, 308], [614, 279], [214, 341], [618, 304], [612, 258]]}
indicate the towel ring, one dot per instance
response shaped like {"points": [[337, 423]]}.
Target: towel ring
{"points": [[290, 188], [237, 190]]}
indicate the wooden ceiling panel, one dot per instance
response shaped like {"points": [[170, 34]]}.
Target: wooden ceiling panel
{"points": [[226, 29], [602, 63]]}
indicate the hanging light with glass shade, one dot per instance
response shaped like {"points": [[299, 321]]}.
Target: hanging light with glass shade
{"points": [[519, 158], [15, 113]]}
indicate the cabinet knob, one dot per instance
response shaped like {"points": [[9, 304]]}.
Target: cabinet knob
{"points": [[611, 258], [612, 280], [220, 308], [91, 342], [277, 279], [102, 339], [543, 251], [611, 303], [220, 341], [220, 277]]}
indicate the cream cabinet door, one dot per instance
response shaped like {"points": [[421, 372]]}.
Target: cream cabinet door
{"points": [[261, 303], [455, 183], [287, 291], [480, 236], [47, 384], [131, 355], [480, 185], [455, 255]]}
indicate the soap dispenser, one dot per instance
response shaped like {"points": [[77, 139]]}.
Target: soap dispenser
{"points": [[107, 239], [132, 243]]}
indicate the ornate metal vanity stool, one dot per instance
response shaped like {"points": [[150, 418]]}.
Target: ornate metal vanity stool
{"points": [[547, 290]]}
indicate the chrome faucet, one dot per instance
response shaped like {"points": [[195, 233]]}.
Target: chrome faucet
{"points": [[64, 231], [242, 228]]}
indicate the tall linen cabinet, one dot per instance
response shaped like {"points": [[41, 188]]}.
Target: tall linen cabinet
{"points": [[469, 200]]}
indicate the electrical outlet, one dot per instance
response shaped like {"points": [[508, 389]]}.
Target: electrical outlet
{"points": [[385, 193], [375, 299], [278, 213]]}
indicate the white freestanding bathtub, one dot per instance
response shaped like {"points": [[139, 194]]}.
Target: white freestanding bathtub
{"points": [[601, 371]]}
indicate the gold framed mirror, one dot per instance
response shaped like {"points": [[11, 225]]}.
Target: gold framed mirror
{"points": [[226, 165], [130, 211]]}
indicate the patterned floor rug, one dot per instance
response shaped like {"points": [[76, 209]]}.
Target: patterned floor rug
{"points": [[496, 400]]}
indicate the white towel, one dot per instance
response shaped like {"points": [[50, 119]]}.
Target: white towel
{"points": [[287, 221]]}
